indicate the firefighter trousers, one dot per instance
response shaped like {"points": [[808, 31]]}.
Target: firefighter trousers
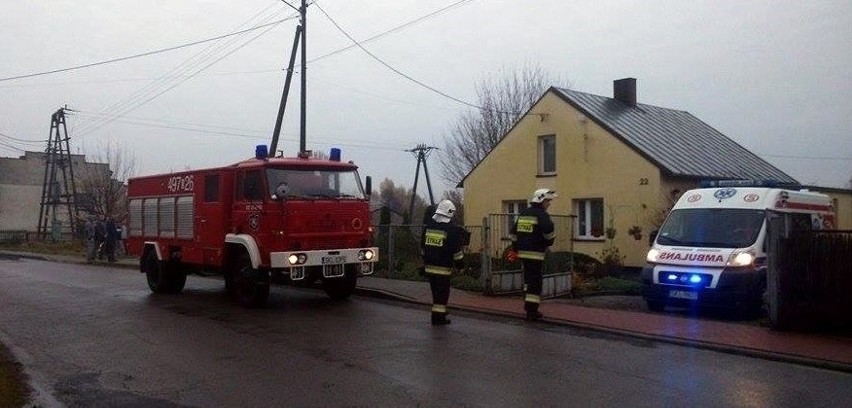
{"points": [[532, 284], [440, 285]]}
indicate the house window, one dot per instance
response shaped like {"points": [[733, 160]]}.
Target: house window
{"points": [[513, 208], [547, 154], [590, 218]]}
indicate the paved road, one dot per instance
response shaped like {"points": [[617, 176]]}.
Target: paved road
{"points": [[95, 336]]}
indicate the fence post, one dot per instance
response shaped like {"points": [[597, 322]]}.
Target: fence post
{"points": [[390, 251], [775, 230], [485, 263]]}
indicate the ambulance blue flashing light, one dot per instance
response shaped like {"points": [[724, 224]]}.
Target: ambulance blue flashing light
{"points": [[261, 152], [334, 155], [768, 183]]}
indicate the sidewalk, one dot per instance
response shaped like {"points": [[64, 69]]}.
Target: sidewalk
{"points": [[818, 350], [825, 351]]}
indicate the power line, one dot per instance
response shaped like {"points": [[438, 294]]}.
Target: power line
{"points": [[224, 131], [38, 142], [144, 54], [400, 73], [8, 146], [394, 29], [154, 90]]}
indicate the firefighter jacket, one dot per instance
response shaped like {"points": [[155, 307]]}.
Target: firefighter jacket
{"points": [[532, 233], [442, 245]]}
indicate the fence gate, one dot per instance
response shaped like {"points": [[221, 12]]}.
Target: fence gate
{"points": [[808, 279], [500, 276]]}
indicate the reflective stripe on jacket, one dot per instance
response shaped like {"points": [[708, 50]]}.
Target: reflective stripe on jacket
{"points": [[532, 233], [442, 247]]}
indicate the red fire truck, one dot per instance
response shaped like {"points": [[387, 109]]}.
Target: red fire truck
{"points": [[299, 220]]}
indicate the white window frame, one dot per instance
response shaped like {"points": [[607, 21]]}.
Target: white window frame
{"points": [[513, 208], [542, 154], [584, 224]]}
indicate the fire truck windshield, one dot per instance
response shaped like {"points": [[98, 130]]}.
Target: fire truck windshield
{"points": [[711, 227], [313, 184]]}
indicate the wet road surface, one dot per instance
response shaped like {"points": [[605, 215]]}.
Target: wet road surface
{"points": [[95, 336]]}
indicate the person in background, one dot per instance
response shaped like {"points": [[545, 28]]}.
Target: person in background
{"points": [[100, 237], [442, 244], [531, 235], [89, 236], [110, 239]]}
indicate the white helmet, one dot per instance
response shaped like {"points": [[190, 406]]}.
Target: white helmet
{"points": [[543, 194], [445, 211]]}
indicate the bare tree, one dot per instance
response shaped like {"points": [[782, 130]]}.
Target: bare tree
{"points": [[397, 198], [502, 101], [102, 182]]}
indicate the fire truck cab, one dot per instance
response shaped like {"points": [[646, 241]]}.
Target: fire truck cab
{"points": [[299, 220], [711, 249]]}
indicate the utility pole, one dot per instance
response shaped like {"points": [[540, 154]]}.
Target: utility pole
{"points": [[421, 152], [57, 163], [301, 32]]}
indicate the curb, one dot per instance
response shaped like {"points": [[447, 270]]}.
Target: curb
{"points": [[723, 348]]}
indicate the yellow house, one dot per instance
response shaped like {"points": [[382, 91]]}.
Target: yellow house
{"points": [[617, 166]]}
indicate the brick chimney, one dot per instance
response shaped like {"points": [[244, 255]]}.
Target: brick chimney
{"points": [[624, 90]]}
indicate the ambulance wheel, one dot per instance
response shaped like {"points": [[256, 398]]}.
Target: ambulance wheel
{"points": [[656, 306], [251, 285], [343, 287]]}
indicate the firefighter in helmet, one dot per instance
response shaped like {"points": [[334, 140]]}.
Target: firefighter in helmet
{"points": [[531, 234], [442, 244]]}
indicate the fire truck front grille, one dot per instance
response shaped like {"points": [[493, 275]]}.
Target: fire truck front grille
{"points": [[326, 243]]}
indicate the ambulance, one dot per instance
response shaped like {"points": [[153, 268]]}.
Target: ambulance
{"points": [[711, 249]]}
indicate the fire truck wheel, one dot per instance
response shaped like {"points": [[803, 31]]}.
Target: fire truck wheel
{"points": [[155, 274], [162, 277], [343, 287], [251, 285], [177, 279]]}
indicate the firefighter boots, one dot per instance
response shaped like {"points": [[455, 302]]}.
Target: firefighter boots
{"points": [[439, 319], [533, 315]]}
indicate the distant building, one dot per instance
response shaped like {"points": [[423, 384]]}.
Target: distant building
{"points": [[21, 183]]}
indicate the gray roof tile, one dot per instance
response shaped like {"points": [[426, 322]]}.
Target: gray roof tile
{"points": [[679, 143]]}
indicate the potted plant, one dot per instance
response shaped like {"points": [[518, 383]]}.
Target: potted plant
{"points": [[636, 231]]}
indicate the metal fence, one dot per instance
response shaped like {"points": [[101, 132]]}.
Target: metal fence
{"points": [[17, 236], [808, 276], [399, 249], [499, 276]]}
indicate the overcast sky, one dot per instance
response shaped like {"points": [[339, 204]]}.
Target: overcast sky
{"points": [[772, 75]]}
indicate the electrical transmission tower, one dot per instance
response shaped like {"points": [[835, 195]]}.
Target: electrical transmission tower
{"points": [[58, 189], [421, 152]]}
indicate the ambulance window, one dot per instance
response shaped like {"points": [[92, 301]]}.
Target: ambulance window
{"points": [[250, 185], [211, 188]]}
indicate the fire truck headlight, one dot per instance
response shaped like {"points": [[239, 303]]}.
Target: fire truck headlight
{"points": [[297, 259], [652, 256], [366, 255], [741, 259]]}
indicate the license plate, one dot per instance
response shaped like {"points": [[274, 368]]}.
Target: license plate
{"points": [[333, 260], [683, 294]]}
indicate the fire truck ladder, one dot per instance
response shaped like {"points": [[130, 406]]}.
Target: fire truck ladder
{"points": [[56, 196]]}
